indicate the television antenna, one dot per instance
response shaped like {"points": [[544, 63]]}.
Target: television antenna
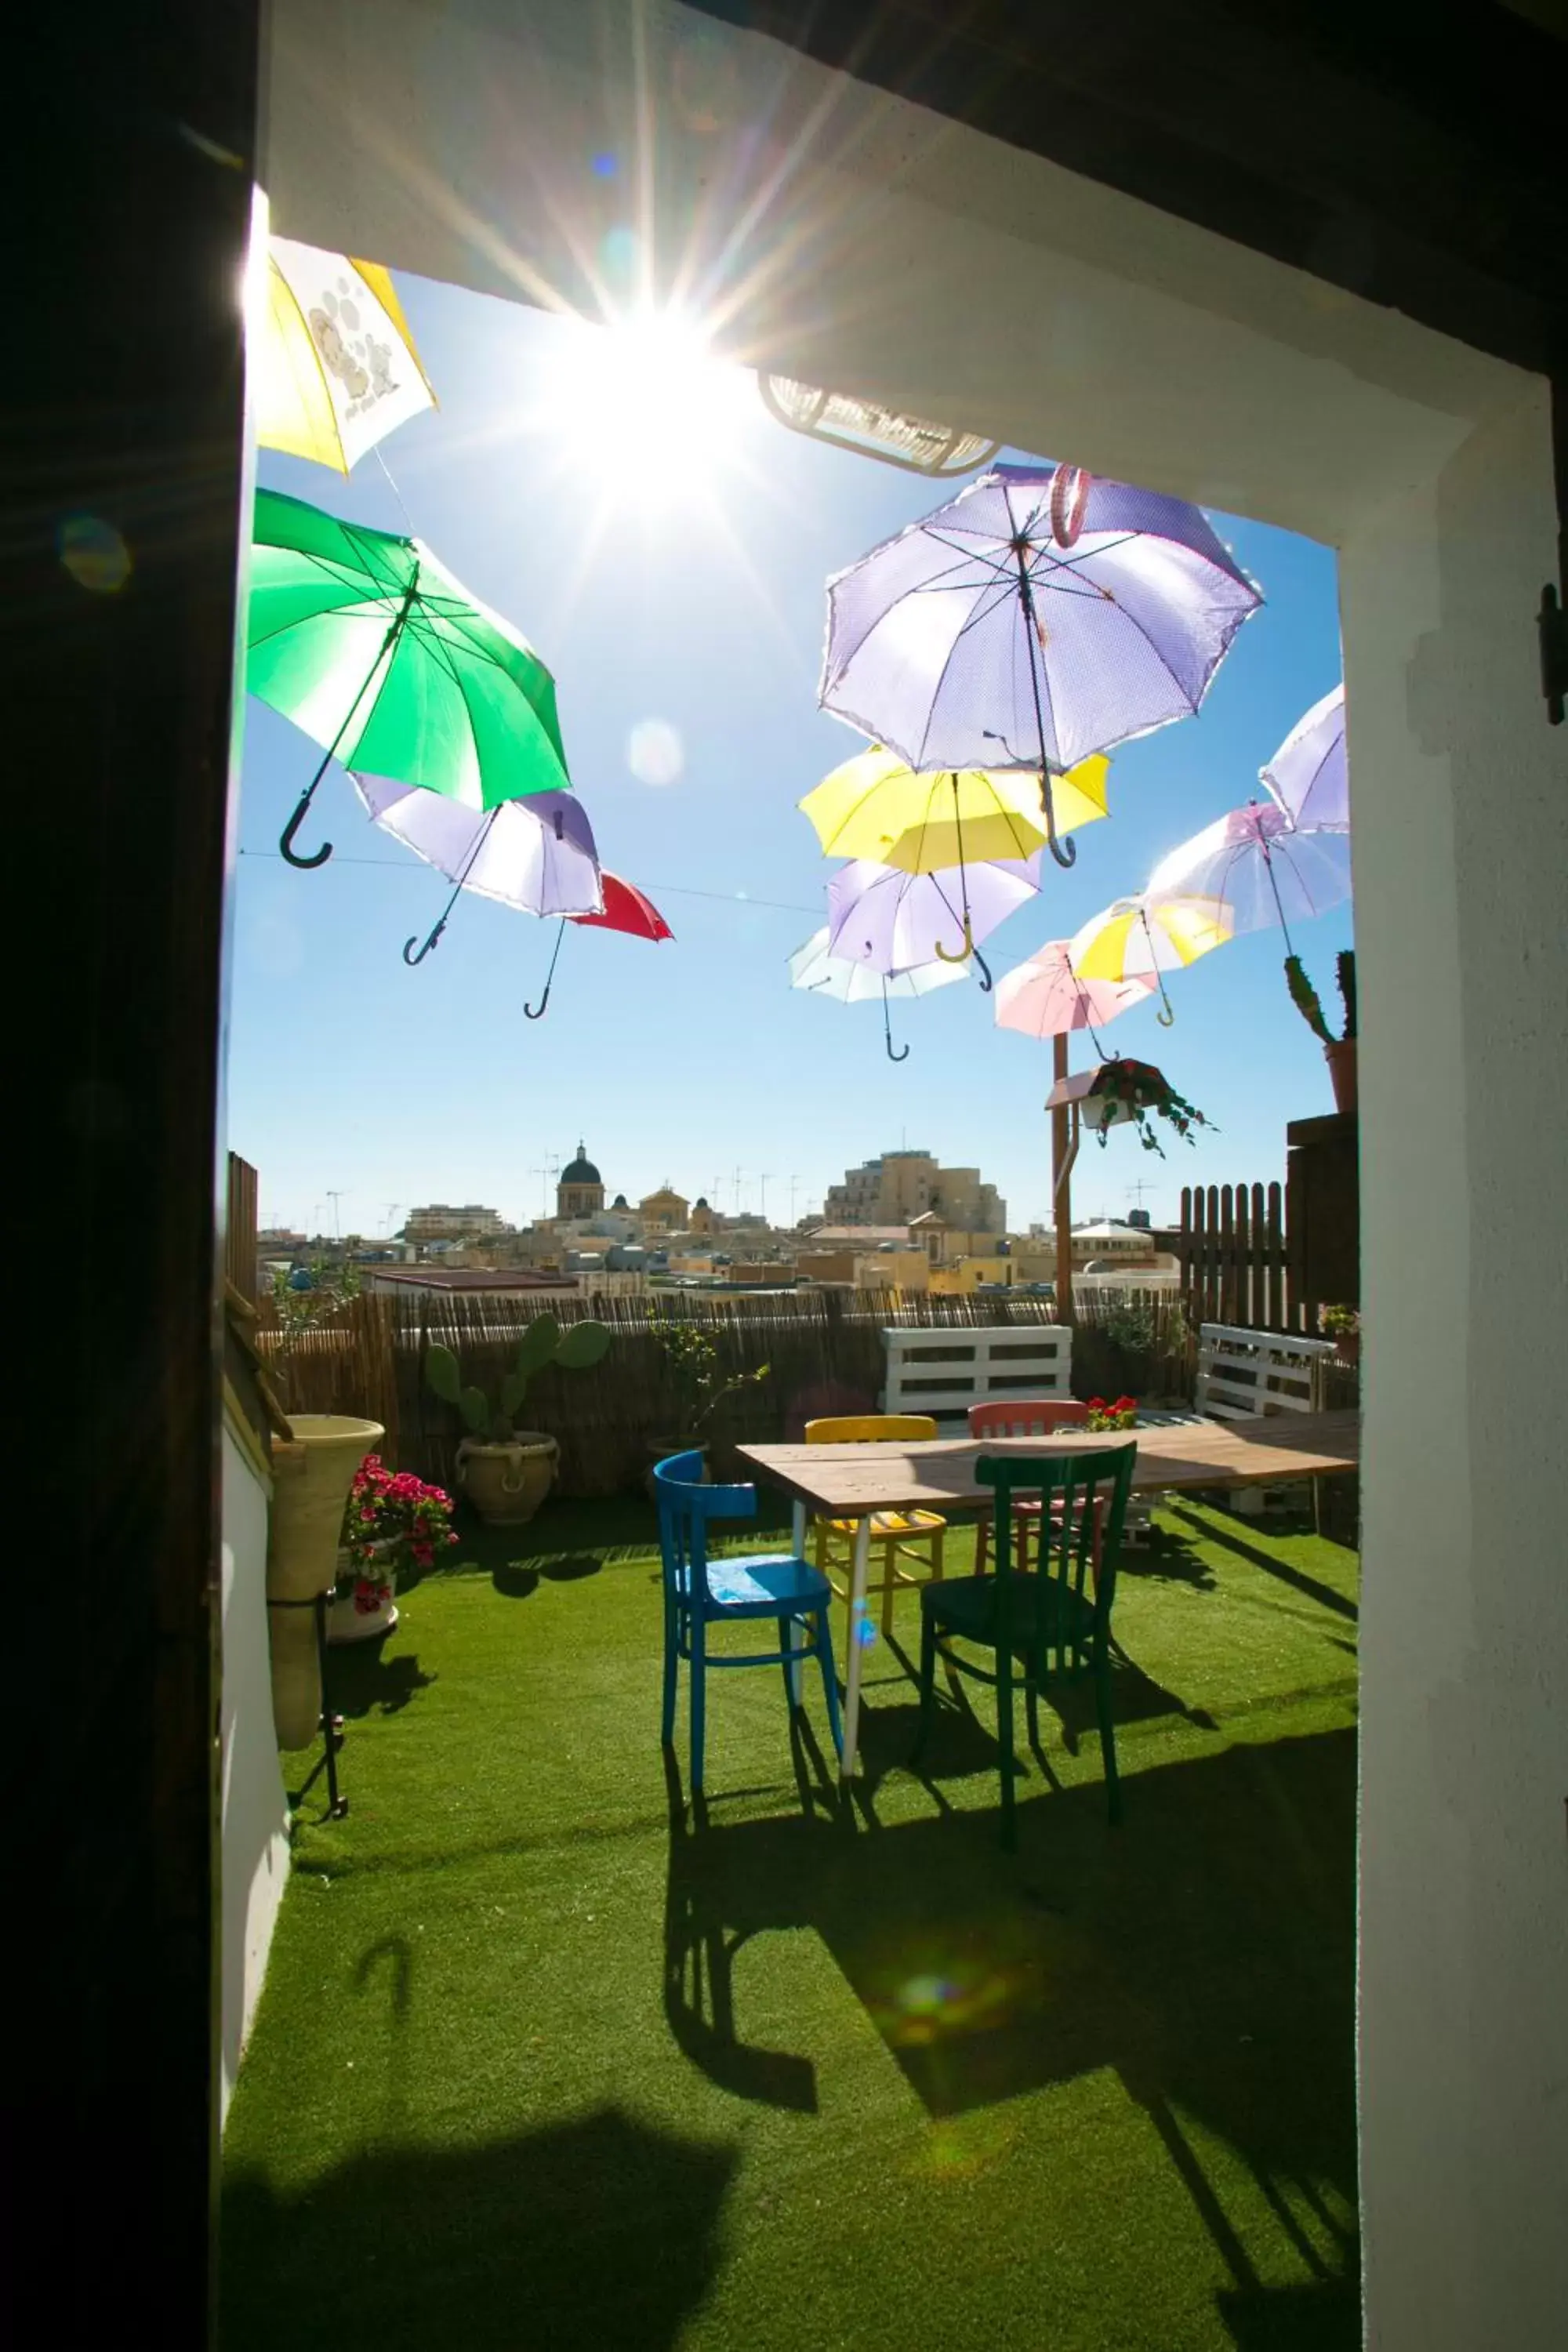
{"points": [[764, 1181]]}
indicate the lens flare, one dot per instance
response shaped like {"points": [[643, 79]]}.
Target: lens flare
{"points": [[655, 752]]}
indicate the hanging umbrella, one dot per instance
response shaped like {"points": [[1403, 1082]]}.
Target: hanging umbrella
{"points": [[336, 366], [874, 806], [845, 981], [1309, 775], [1131, 939], [1045, 997], [370, 647], [624, 909], [895, 922], [1258, 867], [536, 854], [1039, 611]]}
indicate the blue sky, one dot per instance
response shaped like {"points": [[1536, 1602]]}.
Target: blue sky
{"points": [[697, 600]]}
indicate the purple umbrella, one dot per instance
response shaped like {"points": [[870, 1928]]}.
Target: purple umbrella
{"points": [[1255, 865], [1040, 613], [1309, 775], [893, 921], [536, 854]]}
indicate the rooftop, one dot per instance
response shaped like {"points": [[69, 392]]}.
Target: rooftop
{"points": [[474, 1277]]}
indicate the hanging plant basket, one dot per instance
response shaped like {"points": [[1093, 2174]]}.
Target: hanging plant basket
{"points": [[1123, 1093]]}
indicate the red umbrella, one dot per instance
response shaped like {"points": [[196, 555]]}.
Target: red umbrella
{"points": [[625, 909]]}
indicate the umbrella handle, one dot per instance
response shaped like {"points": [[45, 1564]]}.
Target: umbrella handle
{"points": [[432, 941], [286, 838], [537, 1011], [985, 980], [902, 1054], [965, 951]]}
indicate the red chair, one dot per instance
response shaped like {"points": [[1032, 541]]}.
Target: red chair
{"points": [[1024, 1417]]}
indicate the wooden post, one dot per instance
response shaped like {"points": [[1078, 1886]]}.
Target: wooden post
{"points": [[1062, 1200]]}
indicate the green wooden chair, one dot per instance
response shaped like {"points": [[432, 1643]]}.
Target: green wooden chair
{"points": [[1059, 1612]]}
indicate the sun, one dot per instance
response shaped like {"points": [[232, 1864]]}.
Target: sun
{"points": [[644, 404]]}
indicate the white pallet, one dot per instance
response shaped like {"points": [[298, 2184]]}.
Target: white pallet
{"points": [[1242, 1372], [943, 1370]]}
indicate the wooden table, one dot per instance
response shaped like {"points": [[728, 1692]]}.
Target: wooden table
{"points": [[851, 1481]]}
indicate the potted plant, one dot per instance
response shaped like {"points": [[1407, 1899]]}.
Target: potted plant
{"points": [[391, 1517], [311, 1473], [700, 1380], [507, 1472], [1120, 1416], [1123, 1093], [1342, 1326], [1340, 1053]]}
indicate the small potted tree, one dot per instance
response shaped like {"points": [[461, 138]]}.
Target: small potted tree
{"points": [[507, 1472], [1340, 1053], [700, 1383]]}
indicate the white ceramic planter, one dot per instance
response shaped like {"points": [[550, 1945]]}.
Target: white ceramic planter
{"points": [[346, 1620], [310, 1482]]}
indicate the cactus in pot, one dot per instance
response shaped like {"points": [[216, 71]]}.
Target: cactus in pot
{"points": [[507, 1472]]}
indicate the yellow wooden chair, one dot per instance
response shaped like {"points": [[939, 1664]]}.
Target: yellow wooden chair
{"points": [[895, 1535]]}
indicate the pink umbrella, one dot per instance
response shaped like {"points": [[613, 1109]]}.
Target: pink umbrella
{"points": [[1044, 997]]}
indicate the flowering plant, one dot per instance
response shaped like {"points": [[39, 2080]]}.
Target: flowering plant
{"points": [[1340, 1322], [390, 1507], [1128, 1091], [1120, 1416]]}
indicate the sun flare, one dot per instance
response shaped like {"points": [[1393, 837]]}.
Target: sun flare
{"points": [[644, 402]]}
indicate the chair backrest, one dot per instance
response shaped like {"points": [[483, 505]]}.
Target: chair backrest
{"points": [[685, 1507], [1025, 1416], [870, 1428], [1094, 1485]]}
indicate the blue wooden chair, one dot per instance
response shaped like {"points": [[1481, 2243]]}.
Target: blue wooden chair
{"points": [[1060, 1610], [700, 1592]]}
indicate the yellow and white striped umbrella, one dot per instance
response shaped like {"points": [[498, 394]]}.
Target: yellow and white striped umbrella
{"points": [[335, 362], [1134, 939]]}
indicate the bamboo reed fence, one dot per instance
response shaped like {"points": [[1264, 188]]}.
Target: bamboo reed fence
{"points": [[823, 1349]]}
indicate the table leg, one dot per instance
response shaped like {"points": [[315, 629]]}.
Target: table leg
{"points": [[856, 1648], [796, 1629]]}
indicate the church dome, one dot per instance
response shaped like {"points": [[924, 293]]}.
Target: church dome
{"points": [[580, 1170]]}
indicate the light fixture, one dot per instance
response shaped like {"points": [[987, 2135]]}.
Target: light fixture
{"points": [[914, 443]]}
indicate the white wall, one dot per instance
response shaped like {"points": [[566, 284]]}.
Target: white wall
{"points": [[254, 1811], [864, 244]]}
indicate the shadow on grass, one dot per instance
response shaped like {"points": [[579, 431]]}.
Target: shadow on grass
{"points": [[1163, 1554], [366, 1678], [602, 2231], [1204, 1951], [1220, 1529]]}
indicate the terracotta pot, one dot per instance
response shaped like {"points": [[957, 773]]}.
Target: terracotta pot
{"points": [[310, 1482], [1341, 1059], [506, 1484]]}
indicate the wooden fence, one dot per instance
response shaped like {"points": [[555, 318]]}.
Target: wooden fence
{"points": [[240, 1227], [1233, 1256], [823, 1349]]}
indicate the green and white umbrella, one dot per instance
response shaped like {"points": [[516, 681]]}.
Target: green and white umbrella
{"points": [[366, 642]]}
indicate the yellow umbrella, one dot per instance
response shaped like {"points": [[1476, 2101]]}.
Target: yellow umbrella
{"points": [[336, 366], [1134, 939], [874, 806]]}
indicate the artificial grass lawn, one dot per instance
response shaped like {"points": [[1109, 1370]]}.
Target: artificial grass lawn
{"points": [[544, 2062]]}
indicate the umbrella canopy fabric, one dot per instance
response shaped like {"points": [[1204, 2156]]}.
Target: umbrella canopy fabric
{"points": [[625, 909], [846, 980], [336, 367], [1037, 617], [1045, 997], [875, 806], [1255, 866], [1309, 776], [1131, 939], [536, 854], [893, 921], [370, 646]]}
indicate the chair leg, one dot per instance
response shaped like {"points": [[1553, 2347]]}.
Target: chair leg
{"points": [[671, 1650], [889, 1583], [786, 1659], [928, 1680], [936, 1544], [1107, 1736], [1009, 1762], [829, 1679], [982, 1541], [698, 1697]]}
